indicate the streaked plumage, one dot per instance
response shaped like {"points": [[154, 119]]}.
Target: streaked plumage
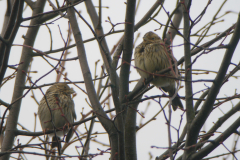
{"points": [[60, 102], [152, 56]]}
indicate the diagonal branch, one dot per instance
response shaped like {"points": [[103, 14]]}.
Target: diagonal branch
{"points": [[213, 92], [103, 118]]}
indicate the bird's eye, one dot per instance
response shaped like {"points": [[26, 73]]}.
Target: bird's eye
{"points": [[153, 38]]}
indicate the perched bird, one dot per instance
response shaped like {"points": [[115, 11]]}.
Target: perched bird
{"points": [[57, 99], [152, 56]]}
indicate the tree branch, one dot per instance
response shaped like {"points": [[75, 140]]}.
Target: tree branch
{"points": [[105, 121], [213, 92]]}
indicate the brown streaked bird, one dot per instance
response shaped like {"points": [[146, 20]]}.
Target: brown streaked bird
{"points": [[58, 99], [152, 56]]}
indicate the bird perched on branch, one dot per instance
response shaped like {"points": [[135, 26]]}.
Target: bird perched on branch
{"points": [[56, 111], [152, 56]]}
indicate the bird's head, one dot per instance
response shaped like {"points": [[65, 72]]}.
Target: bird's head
{"points": [[62, 87], [151, 37]]}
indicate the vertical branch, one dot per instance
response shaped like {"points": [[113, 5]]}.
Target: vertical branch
{"points": [[20, 80], [6, 18], [136, 27], [127, 49], [130, 133], [9, 35], [188, 72], [124, 79], [100, 15], [120, 46]]}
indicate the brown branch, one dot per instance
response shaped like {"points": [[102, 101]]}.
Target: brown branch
{"points": [[207, 106], [20, 81]]}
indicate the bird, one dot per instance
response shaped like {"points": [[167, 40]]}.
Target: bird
{"points": [[58, 99], [151, 56]]}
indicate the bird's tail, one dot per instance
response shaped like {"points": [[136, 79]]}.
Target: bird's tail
{"points": [[56, 142], [176, 102]]}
